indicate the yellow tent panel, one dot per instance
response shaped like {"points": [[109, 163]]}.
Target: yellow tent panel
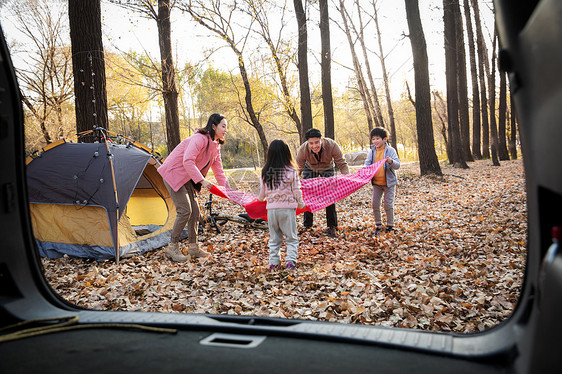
{"points": [[146, 207], [70, 224]]}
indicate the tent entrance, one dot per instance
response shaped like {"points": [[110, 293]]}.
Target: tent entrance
{"points": [[146, 210]]}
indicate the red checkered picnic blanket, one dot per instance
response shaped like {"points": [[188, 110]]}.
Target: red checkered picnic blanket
{"points": [[317, 193]]}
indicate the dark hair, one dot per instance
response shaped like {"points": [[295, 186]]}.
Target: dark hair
{"points": [[278, 158], [214, 119], [379, 131], [313, 133]]}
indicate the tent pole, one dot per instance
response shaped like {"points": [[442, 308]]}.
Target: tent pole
{"points": [[110, 156]]}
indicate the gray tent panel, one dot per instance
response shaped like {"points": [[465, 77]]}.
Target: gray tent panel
{"points": [[80, 174]]}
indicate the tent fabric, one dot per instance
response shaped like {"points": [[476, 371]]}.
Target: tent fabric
{"points": [[100, 252], [317, 193], [145, 207], [79, 193], [81, 174], [70, 224]]}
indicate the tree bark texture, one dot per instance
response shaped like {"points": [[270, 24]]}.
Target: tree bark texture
{"points": [[482, 76], [220, 26], [306, 105], [326, 67], [254, 121], [260, 17], [40, 119], [361, 84], [513, 130], [452, 87], [169, 88], [372, 94], [502, 119], [492, 96], [386, 81], [88, 64], [444, 132], [476, 123], [429, 164], [464, 120]]}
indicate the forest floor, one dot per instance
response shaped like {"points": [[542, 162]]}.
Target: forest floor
{"points": [[455, 263]]}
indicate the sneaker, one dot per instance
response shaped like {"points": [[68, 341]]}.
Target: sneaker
{"points": [[272, 267], [290, 266], [390, 229], [174, 253], [194, 251], [332, 232], [378, 230]]}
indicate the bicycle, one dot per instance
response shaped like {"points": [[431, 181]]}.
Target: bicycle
{"points": [[216, 220]]}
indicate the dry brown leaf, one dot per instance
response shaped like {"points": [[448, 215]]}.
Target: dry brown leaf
{"points": [[456, 262]]}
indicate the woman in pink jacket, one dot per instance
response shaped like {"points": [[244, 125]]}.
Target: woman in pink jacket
{"points": [[184, 173]]}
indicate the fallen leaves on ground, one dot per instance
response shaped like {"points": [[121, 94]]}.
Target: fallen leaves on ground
{"points": [[455, 262]]}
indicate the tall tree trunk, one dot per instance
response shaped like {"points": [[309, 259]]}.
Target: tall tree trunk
{"points": [[221, 27], [429, 164], [386, 81], [60, 122], [259, 13], [502, 139], [38, 117], [476, 123], [464, 120], [450, 146], [88, 64], [444, 131], [254, 121], [363, 90], [373, 93], [512, 130], [482, 75], [452, 87], [492, 95], [410, 95], [326, 66], [169, 89], [306, 105]]}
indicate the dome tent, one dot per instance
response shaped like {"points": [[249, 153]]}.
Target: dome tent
{"points": [[98, 200]]}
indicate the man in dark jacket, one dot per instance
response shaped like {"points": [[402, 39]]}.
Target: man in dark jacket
{"points": [[316, 158]]}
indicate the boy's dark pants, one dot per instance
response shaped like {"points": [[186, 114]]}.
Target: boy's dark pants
{"points": [[331, 215]]}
